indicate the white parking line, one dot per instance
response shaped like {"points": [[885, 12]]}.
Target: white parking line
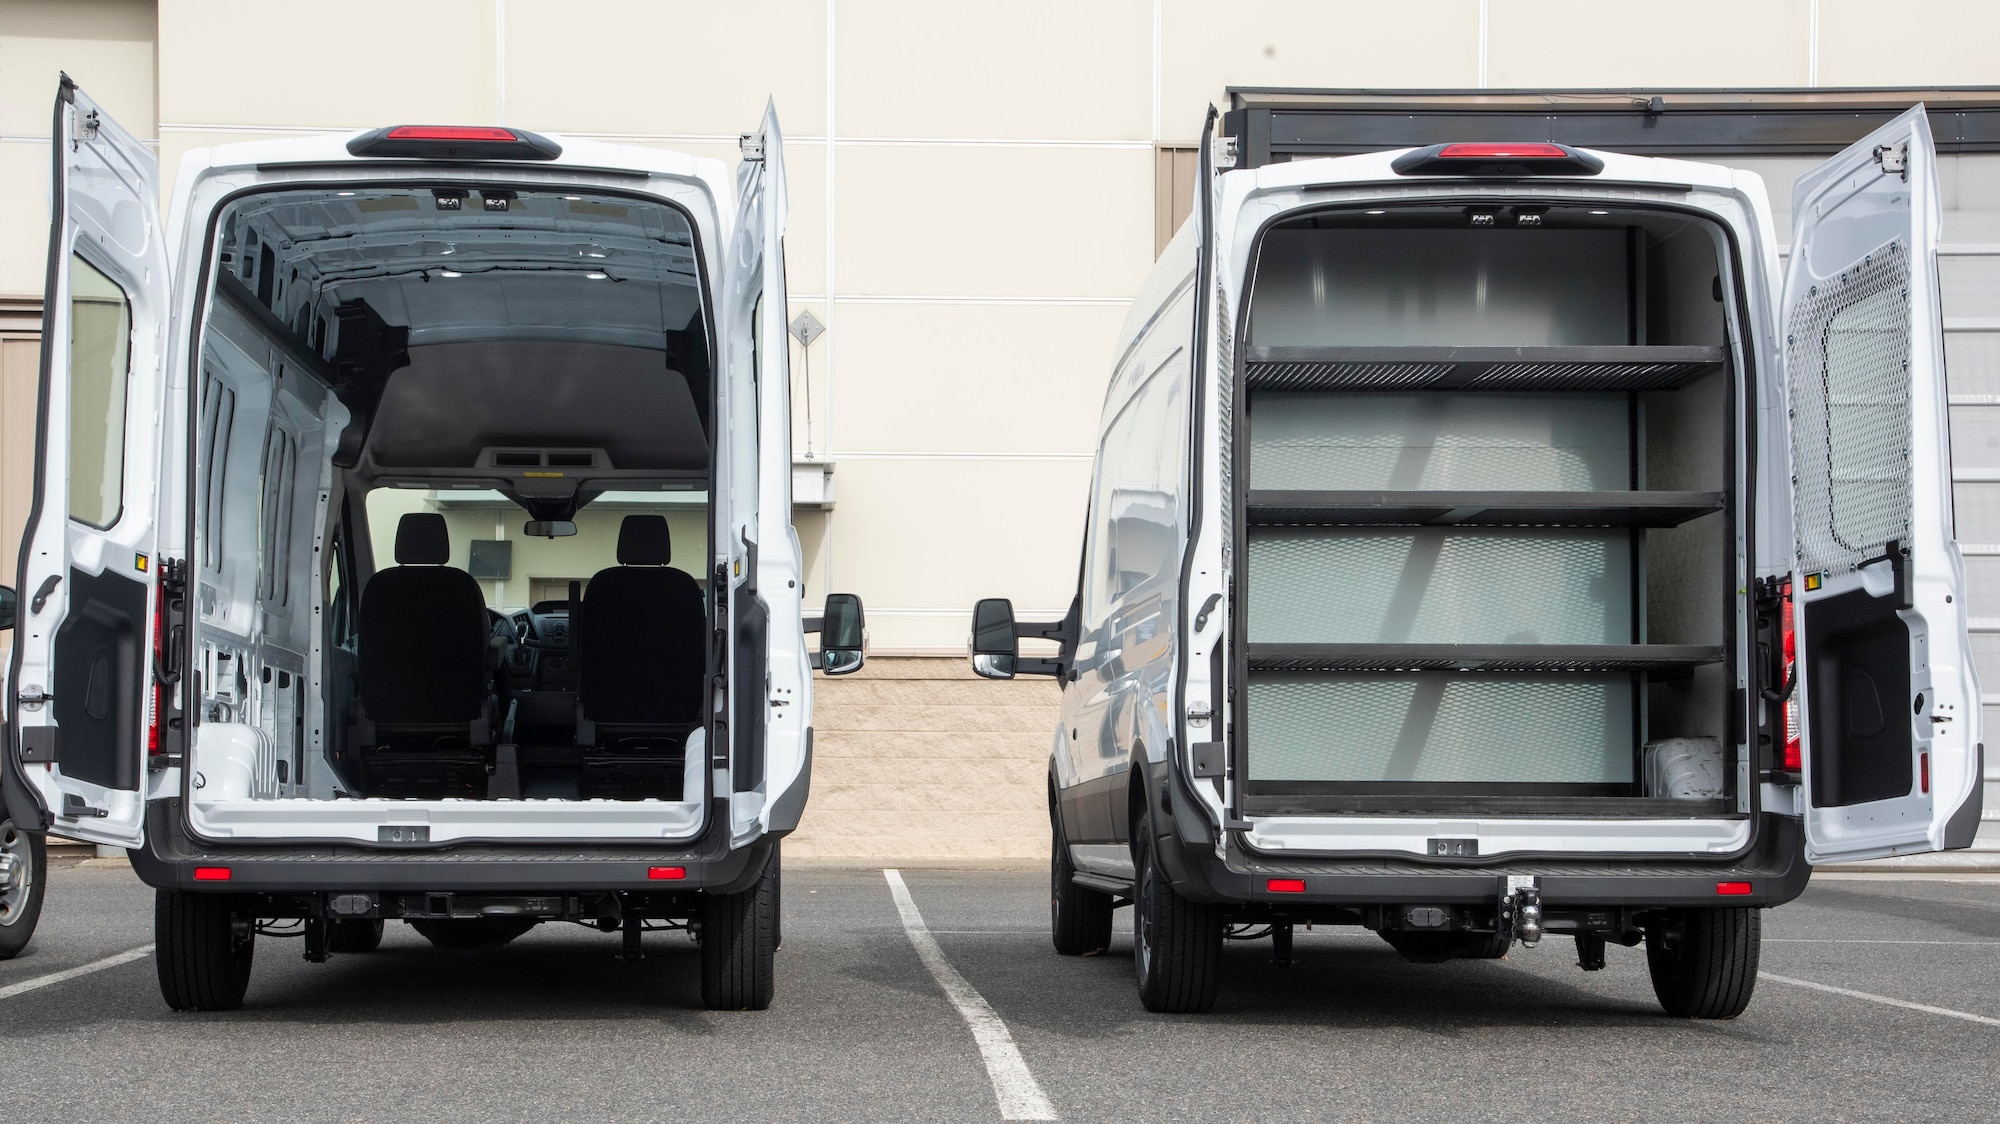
{"points": [[1858, 940], [1019, 1094], [11, 990], [1903, 1003]]}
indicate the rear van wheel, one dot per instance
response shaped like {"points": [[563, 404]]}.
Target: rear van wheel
{"points": [[1176, 943], [739, 943], [202, 950], [1704, 961], [21, 895], [1079, 919]]}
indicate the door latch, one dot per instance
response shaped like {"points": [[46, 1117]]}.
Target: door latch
{"points": [[41, 597], [1894, 158]]}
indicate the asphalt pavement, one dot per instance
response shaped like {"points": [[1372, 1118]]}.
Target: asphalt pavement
{"points": [[556, 1026]]}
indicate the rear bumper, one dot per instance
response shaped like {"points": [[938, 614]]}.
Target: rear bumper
{"points": [[169, 859], [1775, 870]]}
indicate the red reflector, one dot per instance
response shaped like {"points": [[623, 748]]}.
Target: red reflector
{"points": [[451, 133], [211, 874], [1286, 885], [666, 873], [1731, 889], [1502, 152], [1924, 771]]}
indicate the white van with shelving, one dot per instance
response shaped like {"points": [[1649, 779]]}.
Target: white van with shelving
{"points": [[1489, 541], [249, 649]]}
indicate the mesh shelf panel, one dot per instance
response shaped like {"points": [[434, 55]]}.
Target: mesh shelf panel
{"points": [[1526, 442], [1423, 585], [1441, 727]]}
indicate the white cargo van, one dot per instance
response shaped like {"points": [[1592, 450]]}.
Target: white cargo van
{"points": [[1486, 541], [245, 652]]}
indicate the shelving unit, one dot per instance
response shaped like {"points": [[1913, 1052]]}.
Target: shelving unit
{"points": [[1482, 527]]}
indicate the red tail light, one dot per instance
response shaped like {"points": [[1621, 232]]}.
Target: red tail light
{"points": [[1732, 889], [1794, 758], [211, 874], [1503, 152], [1497, 159], [666, 873], [451, 133], [157, 712], [1286, 885], [455, 142]]}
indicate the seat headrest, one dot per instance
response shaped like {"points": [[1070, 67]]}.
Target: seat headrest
{"points": [[422, 540], [643, 541]]}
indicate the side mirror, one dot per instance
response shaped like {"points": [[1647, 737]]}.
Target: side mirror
{"points": [[10, 603], [548, 528], [843, 635], [996, 648]]}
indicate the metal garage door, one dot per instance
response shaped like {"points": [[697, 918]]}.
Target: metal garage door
{"points": [[1779, 134]]}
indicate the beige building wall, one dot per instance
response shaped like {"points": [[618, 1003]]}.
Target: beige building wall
{"points": [[973, 202]]}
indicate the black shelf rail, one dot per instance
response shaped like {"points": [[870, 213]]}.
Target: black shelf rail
{"points": [[1610, 367], [1481, 657], [1477, 509]]}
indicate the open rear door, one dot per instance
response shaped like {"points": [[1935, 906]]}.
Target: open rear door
{"points": [[758, 504], [81, 688], [1890, 710]]}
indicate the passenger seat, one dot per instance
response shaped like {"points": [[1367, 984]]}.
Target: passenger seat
{"points": [[639, 640], [426, 690]]}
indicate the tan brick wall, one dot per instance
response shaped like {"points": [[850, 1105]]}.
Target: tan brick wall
{"points": [[918, 759]]}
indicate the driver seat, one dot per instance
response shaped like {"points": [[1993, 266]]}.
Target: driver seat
{"points": [[639, 641]]}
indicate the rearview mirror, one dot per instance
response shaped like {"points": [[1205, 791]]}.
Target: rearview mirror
{"points": [[9, 604], [548, 528], [843, 635], [995, 646]]}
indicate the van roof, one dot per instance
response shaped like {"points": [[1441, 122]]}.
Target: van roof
{"points": [[1619, 168], [579, 154]]}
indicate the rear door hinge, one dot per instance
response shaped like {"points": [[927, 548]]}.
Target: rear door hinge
{"points": [[1894, 158], [83, 127], [752, 146]]}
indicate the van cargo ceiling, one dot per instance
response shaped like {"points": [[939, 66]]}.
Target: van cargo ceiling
{"points": [[456, 399], [524, 317]]}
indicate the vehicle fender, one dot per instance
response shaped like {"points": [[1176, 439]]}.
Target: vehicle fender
{"points": [[1964, 823], [1182, 832], [786, 811]]}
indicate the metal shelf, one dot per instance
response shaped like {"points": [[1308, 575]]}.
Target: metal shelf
{"points": [[1481, 657], [1478, 509], [1632, 367]]}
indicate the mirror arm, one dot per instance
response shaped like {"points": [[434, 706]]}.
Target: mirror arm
{"points": [[1063, 632]]}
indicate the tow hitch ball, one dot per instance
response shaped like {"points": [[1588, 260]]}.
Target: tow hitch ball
{"points": [[1521, 907]]}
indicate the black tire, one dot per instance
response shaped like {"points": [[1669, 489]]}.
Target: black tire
{"points": [[354, 934], [21, 897], [1079, 919], [1704, 961], [739, 940], [1176, 943], [202, 957], [470, 934]]}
